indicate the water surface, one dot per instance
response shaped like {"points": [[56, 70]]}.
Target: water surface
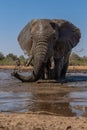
{"points": [[69, 99]]}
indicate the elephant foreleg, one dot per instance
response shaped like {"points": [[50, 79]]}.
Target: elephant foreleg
{"points": [[65, 65], [49, 70], [45, 71], [52, 64], [58, 68], [64, 70]]}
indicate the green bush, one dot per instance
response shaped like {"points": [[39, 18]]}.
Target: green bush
{"points": [[1, 56], [77, 60]]}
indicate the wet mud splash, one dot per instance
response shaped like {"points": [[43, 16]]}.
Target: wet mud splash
{"points": [[69, 99]]}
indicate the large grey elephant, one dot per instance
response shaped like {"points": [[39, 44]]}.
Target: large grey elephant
{"points": [[45, 39]]}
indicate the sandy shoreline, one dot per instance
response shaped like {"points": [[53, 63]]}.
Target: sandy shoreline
{"points": [[14, 67], [41, 122], [83, 68]]}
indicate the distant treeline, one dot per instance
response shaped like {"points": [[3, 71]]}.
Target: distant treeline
{"points": [[77, 60], [11, 59]]}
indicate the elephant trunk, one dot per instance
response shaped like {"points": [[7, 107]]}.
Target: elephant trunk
{"points": [[40, 53]]}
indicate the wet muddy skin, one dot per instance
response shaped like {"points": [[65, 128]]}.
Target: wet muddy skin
{"points": [[68, 99]]}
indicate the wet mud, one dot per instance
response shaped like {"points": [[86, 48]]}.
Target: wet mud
{"points": [[68, 99]]}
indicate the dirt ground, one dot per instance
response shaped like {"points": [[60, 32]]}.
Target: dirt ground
{"points": [[40, 121], [30, 67], [14, 67]]}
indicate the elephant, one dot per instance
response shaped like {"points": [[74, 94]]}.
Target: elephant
{"points": [[46, 39]]}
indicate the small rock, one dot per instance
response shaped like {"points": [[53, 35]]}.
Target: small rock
{"points": [[68, 127]]}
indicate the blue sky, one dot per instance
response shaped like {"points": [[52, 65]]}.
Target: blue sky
{"points": [[14, 14]]}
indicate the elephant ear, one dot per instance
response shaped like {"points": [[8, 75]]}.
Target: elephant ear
{"points": [[24, 38], [68, 33]]}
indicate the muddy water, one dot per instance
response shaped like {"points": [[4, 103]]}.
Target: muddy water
{"points": [[69, 99]]}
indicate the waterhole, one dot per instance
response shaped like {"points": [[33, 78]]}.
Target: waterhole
{"points": [[69, 99]]}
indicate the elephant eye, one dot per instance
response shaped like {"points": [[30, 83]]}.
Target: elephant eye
{"points": [[54, 35], [53, 25], [54, 38], [31, 37]]}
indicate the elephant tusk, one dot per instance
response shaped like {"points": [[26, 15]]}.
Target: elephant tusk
{"points": [[29, 61]]}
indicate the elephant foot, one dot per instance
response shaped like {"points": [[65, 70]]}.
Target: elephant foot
{"points": [[15, 74], [62, 80]]}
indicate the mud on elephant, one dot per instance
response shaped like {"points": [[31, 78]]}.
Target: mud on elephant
{"points": [[44, 39]]}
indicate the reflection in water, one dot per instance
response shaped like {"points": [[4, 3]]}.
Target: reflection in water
{"points": [[74, 104], [23, 102], [65, 102], [79, 102], [54, 103], [6, 78], [11, 102]]}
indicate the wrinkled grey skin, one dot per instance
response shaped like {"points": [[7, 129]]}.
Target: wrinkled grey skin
{"points": [[43, 39]]}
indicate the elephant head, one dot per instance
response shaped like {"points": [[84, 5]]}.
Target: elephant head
{"points": [[42, 39]]}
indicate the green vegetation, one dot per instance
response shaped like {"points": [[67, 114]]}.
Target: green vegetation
{"points": [[11, 59], [77, 60]]}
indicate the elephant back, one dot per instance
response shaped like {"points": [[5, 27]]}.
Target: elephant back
{"points": [[68, 33]]}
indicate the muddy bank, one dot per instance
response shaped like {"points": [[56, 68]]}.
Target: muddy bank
{"points": [[41, 122], [14, 67], [70, 68]]}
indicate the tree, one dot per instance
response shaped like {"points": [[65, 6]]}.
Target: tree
{"points": [[11, 56], [1, 56], [74, 56], [22, 58], [75, 59]]}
